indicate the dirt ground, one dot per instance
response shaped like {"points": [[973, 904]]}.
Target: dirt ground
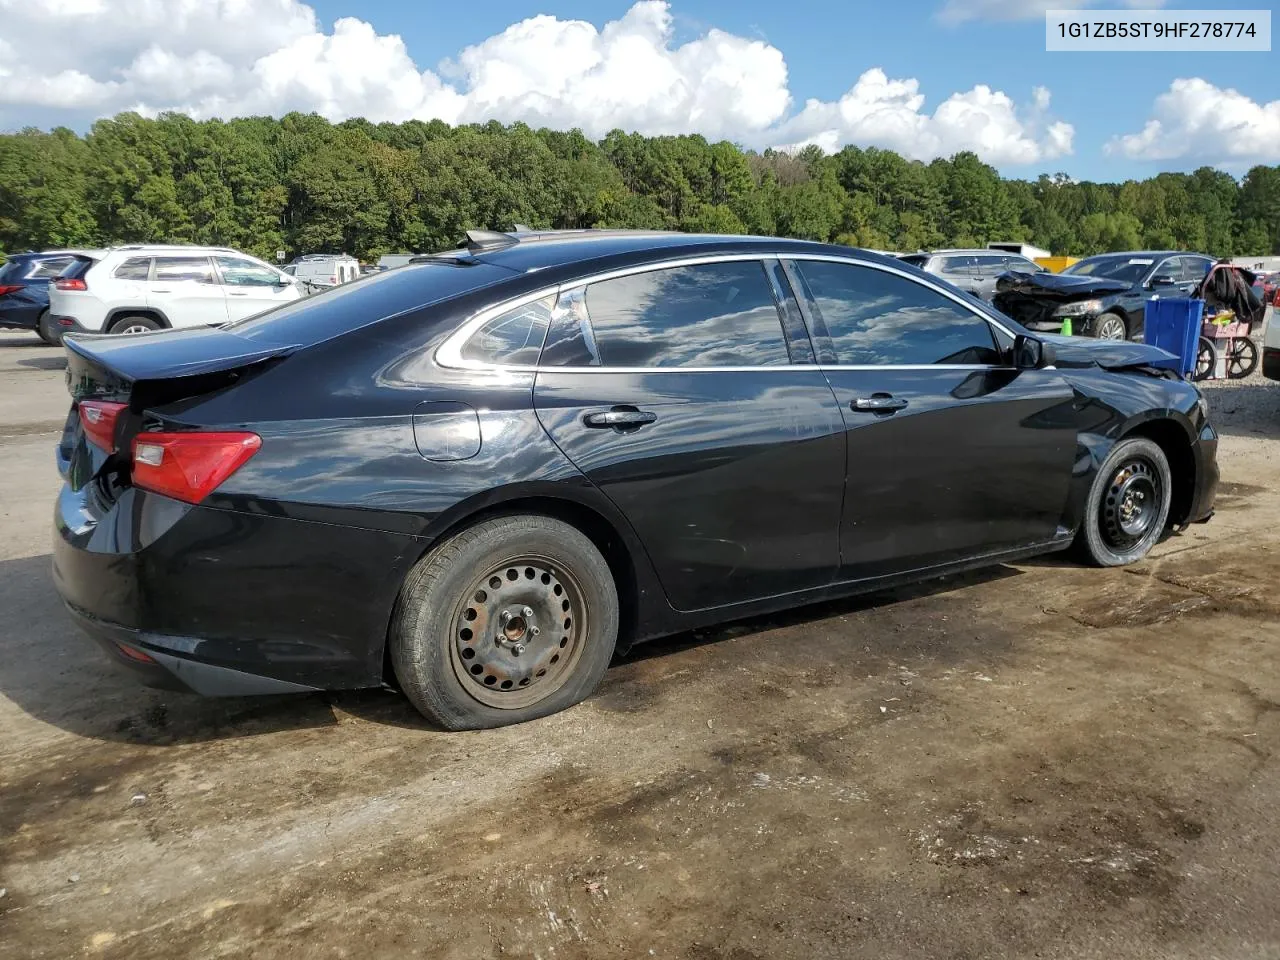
{"points": [[1038, 761]]}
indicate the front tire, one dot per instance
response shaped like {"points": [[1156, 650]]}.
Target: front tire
{"points": [[1128, 505], [510, 620], [1111, 326]]}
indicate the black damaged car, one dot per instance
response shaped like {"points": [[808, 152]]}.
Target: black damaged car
{"points": [[480, 475], [1104, 296]]}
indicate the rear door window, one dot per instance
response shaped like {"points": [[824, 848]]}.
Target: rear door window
{"points": [[959, 266], [179, 269], [700, 315], [877, 318]]}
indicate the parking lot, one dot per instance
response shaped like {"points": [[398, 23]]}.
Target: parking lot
{"points": [[1040, 760]]}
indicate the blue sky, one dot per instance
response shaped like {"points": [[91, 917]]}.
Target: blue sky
{"points": [[208, 63]]}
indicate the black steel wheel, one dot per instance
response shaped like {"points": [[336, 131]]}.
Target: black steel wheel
{"points": [[1242, 358], [1206, 359], [511, 619], [518, 632], [1128, 505]]}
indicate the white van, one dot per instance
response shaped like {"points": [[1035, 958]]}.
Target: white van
{"points": [[326, 269]]}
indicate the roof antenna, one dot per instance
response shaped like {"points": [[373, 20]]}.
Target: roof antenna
{"points": [[478, 241]]}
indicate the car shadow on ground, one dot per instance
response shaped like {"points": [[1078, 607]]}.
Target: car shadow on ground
{"points": [[44, 363], [55, 674]]}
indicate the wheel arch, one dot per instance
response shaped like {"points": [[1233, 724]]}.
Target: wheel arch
{"points": [[1174, 440], [642, 608], [150, 313]]}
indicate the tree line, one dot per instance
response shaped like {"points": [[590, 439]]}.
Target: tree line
{"points": [[304, 185]]}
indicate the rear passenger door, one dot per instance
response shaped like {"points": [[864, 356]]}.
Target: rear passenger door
{"points": [[187, 292], [676, 391], [952, 452]]}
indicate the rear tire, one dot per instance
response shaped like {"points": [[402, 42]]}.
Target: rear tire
{"points": [[47, 330], [510, 620], [1128, 505], [133, 325]]}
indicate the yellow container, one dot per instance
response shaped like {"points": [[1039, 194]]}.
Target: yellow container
{"points": [[1056, 264]]}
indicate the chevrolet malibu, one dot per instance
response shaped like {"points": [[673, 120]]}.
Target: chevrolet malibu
{"points": [[478, 476]]}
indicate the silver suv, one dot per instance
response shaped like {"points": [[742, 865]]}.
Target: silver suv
{"points": [[973, 271]]}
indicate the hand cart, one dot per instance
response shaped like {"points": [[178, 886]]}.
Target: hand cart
{"points": [[1225, 349]]}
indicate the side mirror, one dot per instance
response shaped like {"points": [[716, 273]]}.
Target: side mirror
{"points": [[1162, 280], [1032, 354]]}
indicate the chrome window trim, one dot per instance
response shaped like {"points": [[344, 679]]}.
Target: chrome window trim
{"points": [[449, 353]]}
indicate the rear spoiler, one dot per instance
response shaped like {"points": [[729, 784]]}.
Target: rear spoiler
{"points": [[165, 355]]}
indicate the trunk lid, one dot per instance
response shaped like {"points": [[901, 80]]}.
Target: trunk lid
{"points": [[141, 372]]}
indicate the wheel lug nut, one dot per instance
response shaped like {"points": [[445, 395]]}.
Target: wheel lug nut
{"points": [[534, 630], [527, 611], [504, 616], [518, 649]]}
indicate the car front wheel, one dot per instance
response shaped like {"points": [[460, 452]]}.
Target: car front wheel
{"points": [[509, 620], [1128, 504], [1110, 326]]}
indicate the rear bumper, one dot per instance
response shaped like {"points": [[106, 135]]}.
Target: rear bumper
{"points": [[20, 316], [225, 602], [154, 660]]}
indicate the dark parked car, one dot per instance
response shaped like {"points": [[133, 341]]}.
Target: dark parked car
{"points": [[480, 474], [1119, 315], [24, 290], [973, 271]]}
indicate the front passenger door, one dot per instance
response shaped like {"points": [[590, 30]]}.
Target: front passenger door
{"points": [[952, 453], [251, 287]]}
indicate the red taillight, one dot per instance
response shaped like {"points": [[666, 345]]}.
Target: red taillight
{"points": [[71, 283], [98, 418], [9, 288], [135, 655], [189, 466]]}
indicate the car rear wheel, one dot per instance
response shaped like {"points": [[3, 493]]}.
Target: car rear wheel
{"points": [[1111, 326], [1128, 505], [48, 329], [132, 325], [509, 620]]}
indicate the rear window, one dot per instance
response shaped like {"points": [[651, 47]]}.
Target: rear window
{"points": [[357, 304], [915, 259], [49, 269], [12, 270]]}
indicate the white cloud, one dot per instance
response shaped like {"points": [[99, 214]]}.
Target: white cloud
{"points": [[1195, 119], [888, 113], [241, 57], [959, 11]]}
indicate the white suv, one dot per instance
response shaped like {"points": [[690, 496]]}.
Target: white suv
{"points": [[135, 289]]}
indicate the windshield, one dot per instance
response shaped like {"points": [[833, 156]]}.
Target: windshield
{"points": [[1128, 269], [364, 301]]}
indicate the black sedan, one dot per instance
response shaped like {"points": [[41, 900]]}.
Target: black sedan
{"points": [[481, 474], [1127, 281]]}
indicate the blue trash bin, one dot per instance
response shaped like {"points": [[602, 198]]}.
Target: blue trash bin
{"points": [[1174, 325]]}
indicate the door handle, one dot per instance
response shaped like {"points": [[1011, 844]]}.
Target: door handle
{"points": [[161, 290], [878, 403], [237, 294], [620, 417]]}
